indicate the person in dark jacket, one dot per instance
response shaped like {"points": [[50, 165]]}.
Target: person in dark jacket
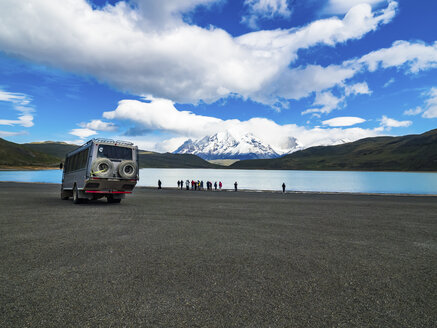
{"points": [[283, 187], [235, 185], [159, 184]]}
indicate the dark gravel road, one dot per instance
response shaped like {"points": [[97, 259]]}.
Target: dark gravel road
{"points": [[217, 259]]}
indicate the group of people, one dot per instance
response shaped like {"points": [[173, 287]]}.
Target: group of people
{"points": [[198, 185]]}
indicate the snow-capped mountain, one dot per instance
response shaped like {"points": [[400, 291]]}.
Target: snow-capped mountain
{"points": [[224, 145]]}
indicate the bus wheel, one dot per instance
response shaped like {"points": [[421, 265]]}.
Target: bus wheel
{"points": [[113, 200], [64, 195], [76, 199]]}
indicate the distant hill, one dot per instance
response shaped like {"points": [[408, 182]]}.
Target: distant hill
{"points": [[406, 153], [15, 155], [168, 160], [57, 149], [50, 154]]}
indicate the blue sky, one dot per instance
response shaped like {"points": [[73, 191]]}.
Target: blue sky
{"points": [[160, 72]]}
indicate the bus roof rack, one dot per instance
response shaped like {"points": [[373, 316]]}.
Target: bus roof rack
{"points": [[110, 141]]}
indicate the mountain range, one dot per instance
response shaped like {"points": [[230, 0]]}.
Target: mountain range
{"points": [[224, 145], [405, 153]]}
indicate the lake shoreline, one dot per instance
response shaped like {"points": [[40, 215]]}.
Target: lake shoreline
{"points": [[254, 191]]}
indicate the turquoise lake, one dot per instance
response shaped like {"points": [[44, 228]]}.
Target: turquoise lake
{"points": [[323, 181]]}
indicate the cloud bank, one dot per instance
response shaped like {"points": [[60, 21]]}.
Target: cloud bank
{"points": [[149, 49], [161, 114]]}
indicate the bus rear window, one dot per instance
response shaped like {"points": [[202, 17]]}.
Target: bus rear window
{"points": [[114, 152]]}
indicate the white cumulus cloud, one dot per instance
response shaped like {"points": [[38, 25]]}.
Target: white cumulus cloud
{"points": [[326, 103], [21, 103], [264, 9], [343, 6], [392, 123], [413, 111], [99, 125], [344, 121], [357, 89], [163, 13], [11, 133], [431, 104], [82, 133], [416, 55], [23, 120]]}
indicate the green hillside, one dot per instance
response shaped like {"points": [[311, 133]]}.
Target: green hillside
{"points": [[406, 153], [57, 149], [50, 154], [13, 155], [169, 160]]}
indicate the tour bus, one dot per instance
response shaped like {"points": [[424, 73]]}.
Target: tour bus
{"points": [[100, 168]]}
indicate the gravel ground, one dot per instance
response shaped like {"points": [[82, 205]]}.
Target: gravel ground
{"points": [[168, 258]]}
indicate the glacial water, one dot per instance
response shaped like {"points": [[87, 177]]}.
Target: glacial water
{"points": [[318, 181]]}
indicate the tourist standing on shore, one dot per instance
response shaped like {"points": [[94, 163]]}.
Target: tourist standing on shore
{"points": [[187, 184], [220, 185], [235, 185], [159, 184], [182, 184], [215, 185], [179, 184], [283, 187]]}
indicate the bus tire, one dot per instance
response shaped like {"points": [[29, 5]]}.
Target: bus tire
{"points": [[102, 167], [76, 199], [127, 170]]}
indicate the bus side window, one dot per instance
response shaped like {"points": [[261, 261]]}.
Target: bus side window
{"points": [[83, 158], [67, 165], [74, 162]]}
